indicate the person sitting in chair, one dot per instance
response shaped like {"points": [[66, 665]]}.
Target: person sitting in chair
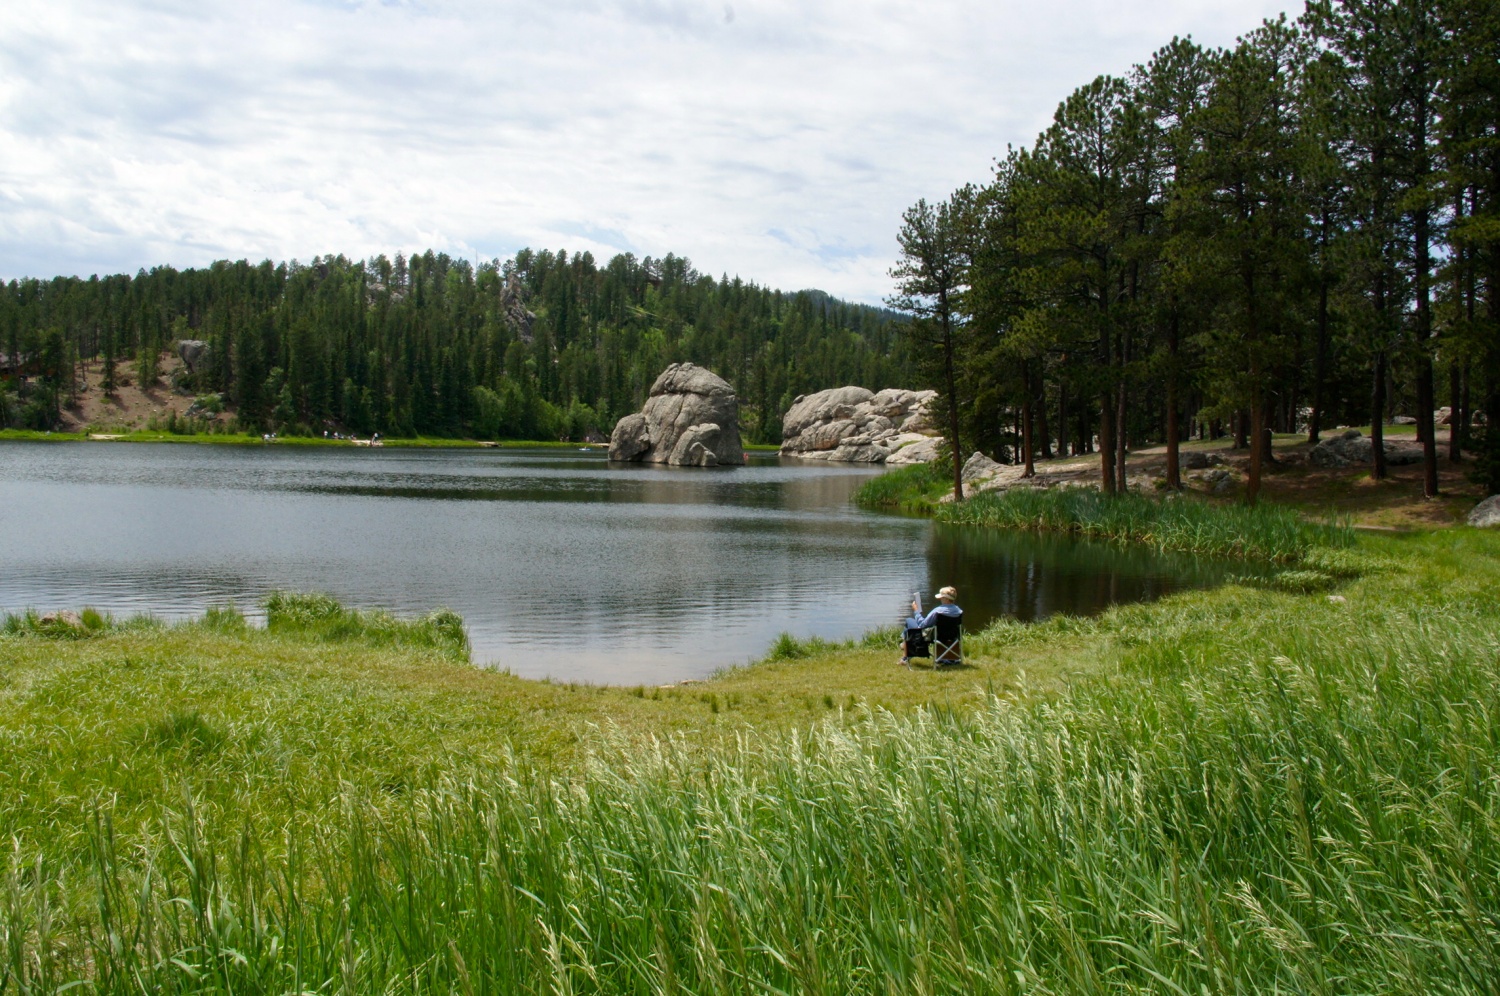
{"points": [[950, 613]]}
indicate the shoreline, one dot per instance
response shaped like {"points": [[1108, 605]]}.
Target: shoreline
{"points": [[243, 439]]}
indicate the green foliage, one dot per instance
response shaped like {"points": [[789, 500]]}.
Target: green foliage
{"points": [[224, 619], [788, 648], [1253, 792], [1271, 236], [324, 618], [185, 731], [403, 347], [57, 625], [915, 487], [1177, 523]]}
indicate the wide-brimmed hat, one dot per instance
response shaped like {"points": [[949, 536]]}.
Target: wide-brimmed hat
{"points": [[948, 592]]}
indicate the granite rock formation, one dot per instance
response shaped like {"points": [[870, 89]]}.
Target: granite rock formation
{"points": [[691, 419], [513, 307], [194, 353], [855, 425]]}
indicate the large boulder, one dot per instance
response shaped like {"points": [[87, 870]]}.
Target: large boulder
{"points": [[1486, 513], [855, 425], [923, 450], [977, 466], [691, 419], [1353, 446], [194, 353]]}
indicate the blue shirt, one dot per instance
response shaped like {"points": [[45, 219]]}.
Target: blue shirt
{"points": [[917, 622]]}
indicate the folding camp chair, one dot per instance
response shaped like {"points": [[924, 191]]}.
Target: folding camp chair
{"points": [[948, 640], [916, 643]]}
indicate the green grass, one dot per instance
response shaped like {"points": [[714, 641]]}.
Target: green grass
{"points": [[1181, 524], [915, 487], [1239, 790], [320, 617]]}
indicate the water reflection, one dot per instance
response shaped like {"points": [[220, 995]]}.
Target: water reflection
{"points": [[561, 565]]}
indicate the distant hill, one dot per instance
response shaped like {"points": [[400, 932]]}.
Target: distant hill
{"points": [[542, 345]]}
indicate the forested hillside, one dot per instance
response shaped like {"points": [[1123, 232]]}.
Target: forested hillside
{"points": [[541, 346], [1297, 232]]}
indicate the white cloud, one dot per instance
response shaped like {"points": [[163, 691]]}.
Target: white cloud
{"points": [[772, 139]]}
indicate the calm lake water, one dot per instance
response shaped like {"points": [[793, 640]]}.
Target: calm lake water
{"points": [[562, 565]]}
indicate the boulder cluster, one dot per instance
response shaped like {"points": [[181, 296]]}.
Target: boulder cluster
{"points": [[691, 419], [855, 425], [1353, 446]]}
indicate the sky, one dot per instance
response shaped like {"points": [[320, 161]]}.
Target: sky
{"points": [[767, 139]]}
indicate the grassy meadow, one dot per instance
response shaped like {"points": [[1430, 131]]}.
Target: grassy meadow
{"points": [[1285, 788]]}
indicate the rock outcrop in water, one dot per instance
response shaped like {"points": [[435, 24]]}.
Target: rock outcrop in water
{"points": [[855, 425], [691, 419]]}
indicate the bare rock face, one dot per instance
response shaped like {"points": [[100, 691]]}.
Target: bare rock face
{"points": [[924, 449], [514, 309], [978, 466], [194, 353], [691, 419], [854, 425]]}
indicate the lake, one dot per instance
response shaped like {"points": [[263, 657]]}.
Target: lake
{"points": [[562, 564]]}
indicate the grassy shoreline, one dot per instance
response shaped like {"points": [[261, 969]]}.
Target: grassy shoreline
{"points": [[1240, 789]]}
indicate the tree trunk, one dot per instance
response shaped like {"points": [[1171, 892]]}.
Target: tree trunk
{"points": [[1062, 419], [1455, 410], [1425, 391], [1026, 427], [1320, 361], [958, 459], [1043, 431], [1257, 426], [1464, 414], [1241, 421], [1425, 427], [1377, 416], [1106, 442], [1121, 408]]}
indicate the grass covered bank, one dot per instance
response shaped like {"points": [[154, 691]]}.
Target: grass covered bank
{"points": [[1182, 524], [1185, 525], [1235, 790]]}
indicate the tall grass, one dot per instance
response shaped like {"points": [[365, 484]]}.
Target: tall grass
{"points": [[323, 617], [1301, 800], [300, 615], [915, 487], [1181, 524]]}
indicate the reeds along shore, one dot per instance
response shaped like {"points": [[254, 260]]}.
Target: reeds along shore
{"points": [[1251, 791], [1181, 524]]}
